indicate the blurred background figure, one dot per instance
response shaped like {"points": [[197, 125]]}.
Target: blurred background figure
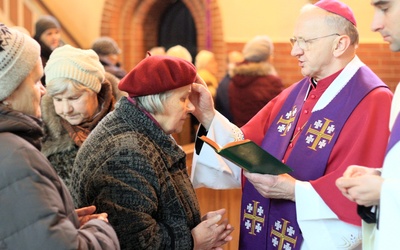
{"points": [[109, 53], [77, 98], [180, 52], [48, 35], [207, 68], [254, 82], [36, 208], [158, 50], [222, 97]]}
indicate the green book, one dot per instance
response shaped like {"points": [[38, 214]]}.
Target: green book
{"points": [[249, 156]]}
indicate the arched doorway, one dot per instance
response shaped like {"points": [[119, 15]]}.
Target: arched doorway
{"points": [[134, 25], [177, 27]]}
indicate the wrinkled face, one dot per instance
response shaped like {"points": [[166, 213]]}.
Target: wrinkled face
{"points": [[26, 98], [316, 59], [51, 38], [176, 109], [386, 21], [76, 106]]}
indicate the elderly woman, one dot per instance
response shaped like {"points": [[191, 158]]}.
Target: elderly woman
{"points": [[131, 167], [77, 98], [36, 209]]}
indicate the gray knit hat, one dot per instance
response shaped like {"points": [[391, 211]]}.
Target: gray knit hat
{"points": [[44, 23], [76, 64], [105, 46], [19, 54], [258, 49]]}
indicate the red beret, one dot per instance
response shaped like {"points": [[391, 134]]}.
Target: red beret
{"points": [[157, 74], [337, 8]]}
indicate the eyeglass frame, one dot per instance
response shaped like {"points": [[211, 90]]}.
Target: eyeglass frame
{"points": [[294, 40]]}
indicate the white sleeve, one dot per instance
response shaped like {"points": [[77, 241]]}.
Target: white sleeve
{"points": [[320, 226], [208, 168]]}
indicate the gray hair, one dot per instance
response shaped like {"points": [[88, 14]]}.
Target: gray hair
{"points": [[153, 104], [63, 84], [343, 26]]}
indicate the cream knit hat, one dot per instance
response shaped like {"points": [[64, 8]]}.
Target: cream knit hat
{"points": [[76, 64], [19, 54]]}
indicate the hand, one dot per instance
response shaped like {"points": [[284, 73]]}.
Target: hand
{"points": [[273, 186], [210, 235], [355, 170], [202, 100], [85, 214], [361, 185]]}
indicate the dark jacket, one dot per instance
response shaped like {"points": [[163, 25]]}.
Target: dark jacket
{"points": [[58, 146], [251, 88], [222, 98], [116, 69], [131, 169], [36, 209]]}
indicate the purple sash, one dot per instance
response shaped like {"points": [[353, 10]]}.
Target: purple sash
{"points": [[272, 223], [394, 135]]}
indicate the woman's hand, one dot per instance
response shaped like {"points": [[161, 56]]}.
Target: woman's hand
{"points": [[210, 234], [86, 214]]}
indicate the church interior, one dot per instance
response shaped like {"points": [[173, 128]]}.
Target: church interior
{"points": [[219, 26]]}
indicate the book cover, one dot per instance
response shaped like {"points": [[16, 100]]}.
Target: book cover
{"points": [[249, 156]]}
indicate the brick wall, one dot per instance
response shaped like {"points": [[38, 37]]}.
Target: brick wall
{"points": [[378, 57]]}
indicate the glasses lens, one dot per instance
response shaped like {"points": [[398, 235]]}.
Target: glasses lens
{"points": [[292, 41]]}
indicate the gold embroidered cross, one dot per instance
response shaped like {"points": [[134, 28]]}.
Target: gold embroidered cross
{"points": [[285, 124], [281, 234], [253, 217], [324, 133]]}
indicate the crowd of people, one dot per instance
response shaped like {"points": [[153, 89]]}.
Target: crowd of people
{"points": [[88, 160]]}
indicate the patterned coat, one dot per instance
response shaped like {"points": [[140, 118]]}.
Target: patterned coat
{"points": [[131, 169]]}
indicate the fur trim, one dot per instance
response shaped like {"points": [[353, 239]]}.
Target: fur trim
{"points": [[254, 69]]}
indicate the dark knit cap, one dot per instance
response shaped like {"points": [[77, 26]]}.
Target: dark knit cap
{"points": [[44, 23], [157, 74], [105, 46]]}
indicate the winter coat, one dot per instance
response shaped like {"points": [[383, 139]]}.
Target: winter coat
{"points": [[58, 146], [131, 169], [253, 85], [36, 209]]}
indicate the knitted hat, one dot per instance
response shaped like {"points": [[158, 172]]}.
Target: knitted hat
{"points": [[80, 65], [19, 54], [157, 74], [44, 23], [258, 49], [337, 8], [105, 46]]}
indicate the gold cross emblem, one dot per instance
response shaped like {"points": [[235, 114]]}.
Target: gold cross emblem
{"points": [[281, 236], [252, 217], [286, 124], [320, 134]]}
